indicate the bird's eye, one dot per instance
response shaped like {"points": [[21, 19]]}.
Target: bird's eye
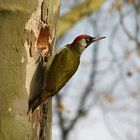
{"points": [[87, 40]]}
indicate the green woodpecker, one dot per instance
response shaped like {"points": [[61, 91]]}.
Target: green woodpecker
{"points": [[51, 77]]}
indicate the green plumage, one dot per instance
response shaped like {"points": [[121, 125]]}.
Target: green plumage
{"points": [[57, 73], [61, 70], [49, 78]]}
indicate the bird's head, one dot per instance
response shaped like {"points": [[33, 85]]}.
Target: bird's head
{"points": [[84, 41]]}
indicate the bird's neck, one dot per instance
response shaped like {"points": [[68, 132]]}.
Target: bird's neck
{"points": [[77, 48]]}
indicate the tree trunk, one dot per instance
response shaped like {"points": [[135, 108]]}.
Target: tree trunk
{"points": [[21, 25]]}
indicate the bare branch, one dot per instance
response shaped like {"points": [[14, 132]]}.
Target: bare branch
{"points": [[76, 14]]}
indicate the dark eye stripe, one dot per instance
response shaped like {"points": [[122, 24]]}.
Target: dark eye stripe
{"points": [[87, 40]]}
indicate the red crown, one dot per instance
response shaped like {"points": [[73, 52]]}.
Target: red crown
{"points": [[78, 38]]}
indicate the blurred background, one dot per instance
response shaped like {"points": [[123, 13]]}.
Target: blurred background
{"points": [[102, 100]]}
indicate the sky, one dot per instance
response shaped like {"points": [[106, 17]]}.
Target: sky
{"points": [[106, 119]]}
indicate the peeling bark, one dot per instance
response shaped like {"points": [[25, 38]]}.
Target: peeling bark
{"points": [[32, 24]]}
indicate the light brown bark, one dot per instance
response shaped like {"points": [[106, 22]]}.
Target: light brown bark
{"points": [[14, 35]]}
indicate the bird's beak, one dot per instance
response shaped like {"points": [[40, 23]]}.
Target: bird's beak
{"points": [[97, 38]]}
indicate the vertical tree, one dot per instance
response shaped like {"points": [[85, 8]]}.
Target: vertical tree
{"points": [[31, 25]]}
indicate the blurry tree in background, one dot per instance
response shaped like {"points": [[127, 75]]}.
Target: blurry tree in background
{"points": [[108, 80]]}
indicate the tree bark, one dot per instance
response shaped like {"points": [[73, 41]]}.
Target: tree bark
{"points": [[21, 23]]}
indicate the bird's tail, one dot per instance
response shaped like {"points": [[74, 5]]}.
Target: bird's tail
{"points": [[32, 106], [35, 103]]}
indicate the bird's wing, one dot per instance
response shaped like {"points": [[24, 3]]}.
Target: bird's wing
{"points": [[37, 81], [37, 84]]}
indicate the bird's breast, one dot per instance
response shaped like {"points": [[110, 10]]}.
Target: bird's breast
{"points": [[62, 69]]}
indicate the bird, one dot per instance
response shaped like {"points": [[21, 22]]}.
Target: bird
{"points": [[50, 77]]}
